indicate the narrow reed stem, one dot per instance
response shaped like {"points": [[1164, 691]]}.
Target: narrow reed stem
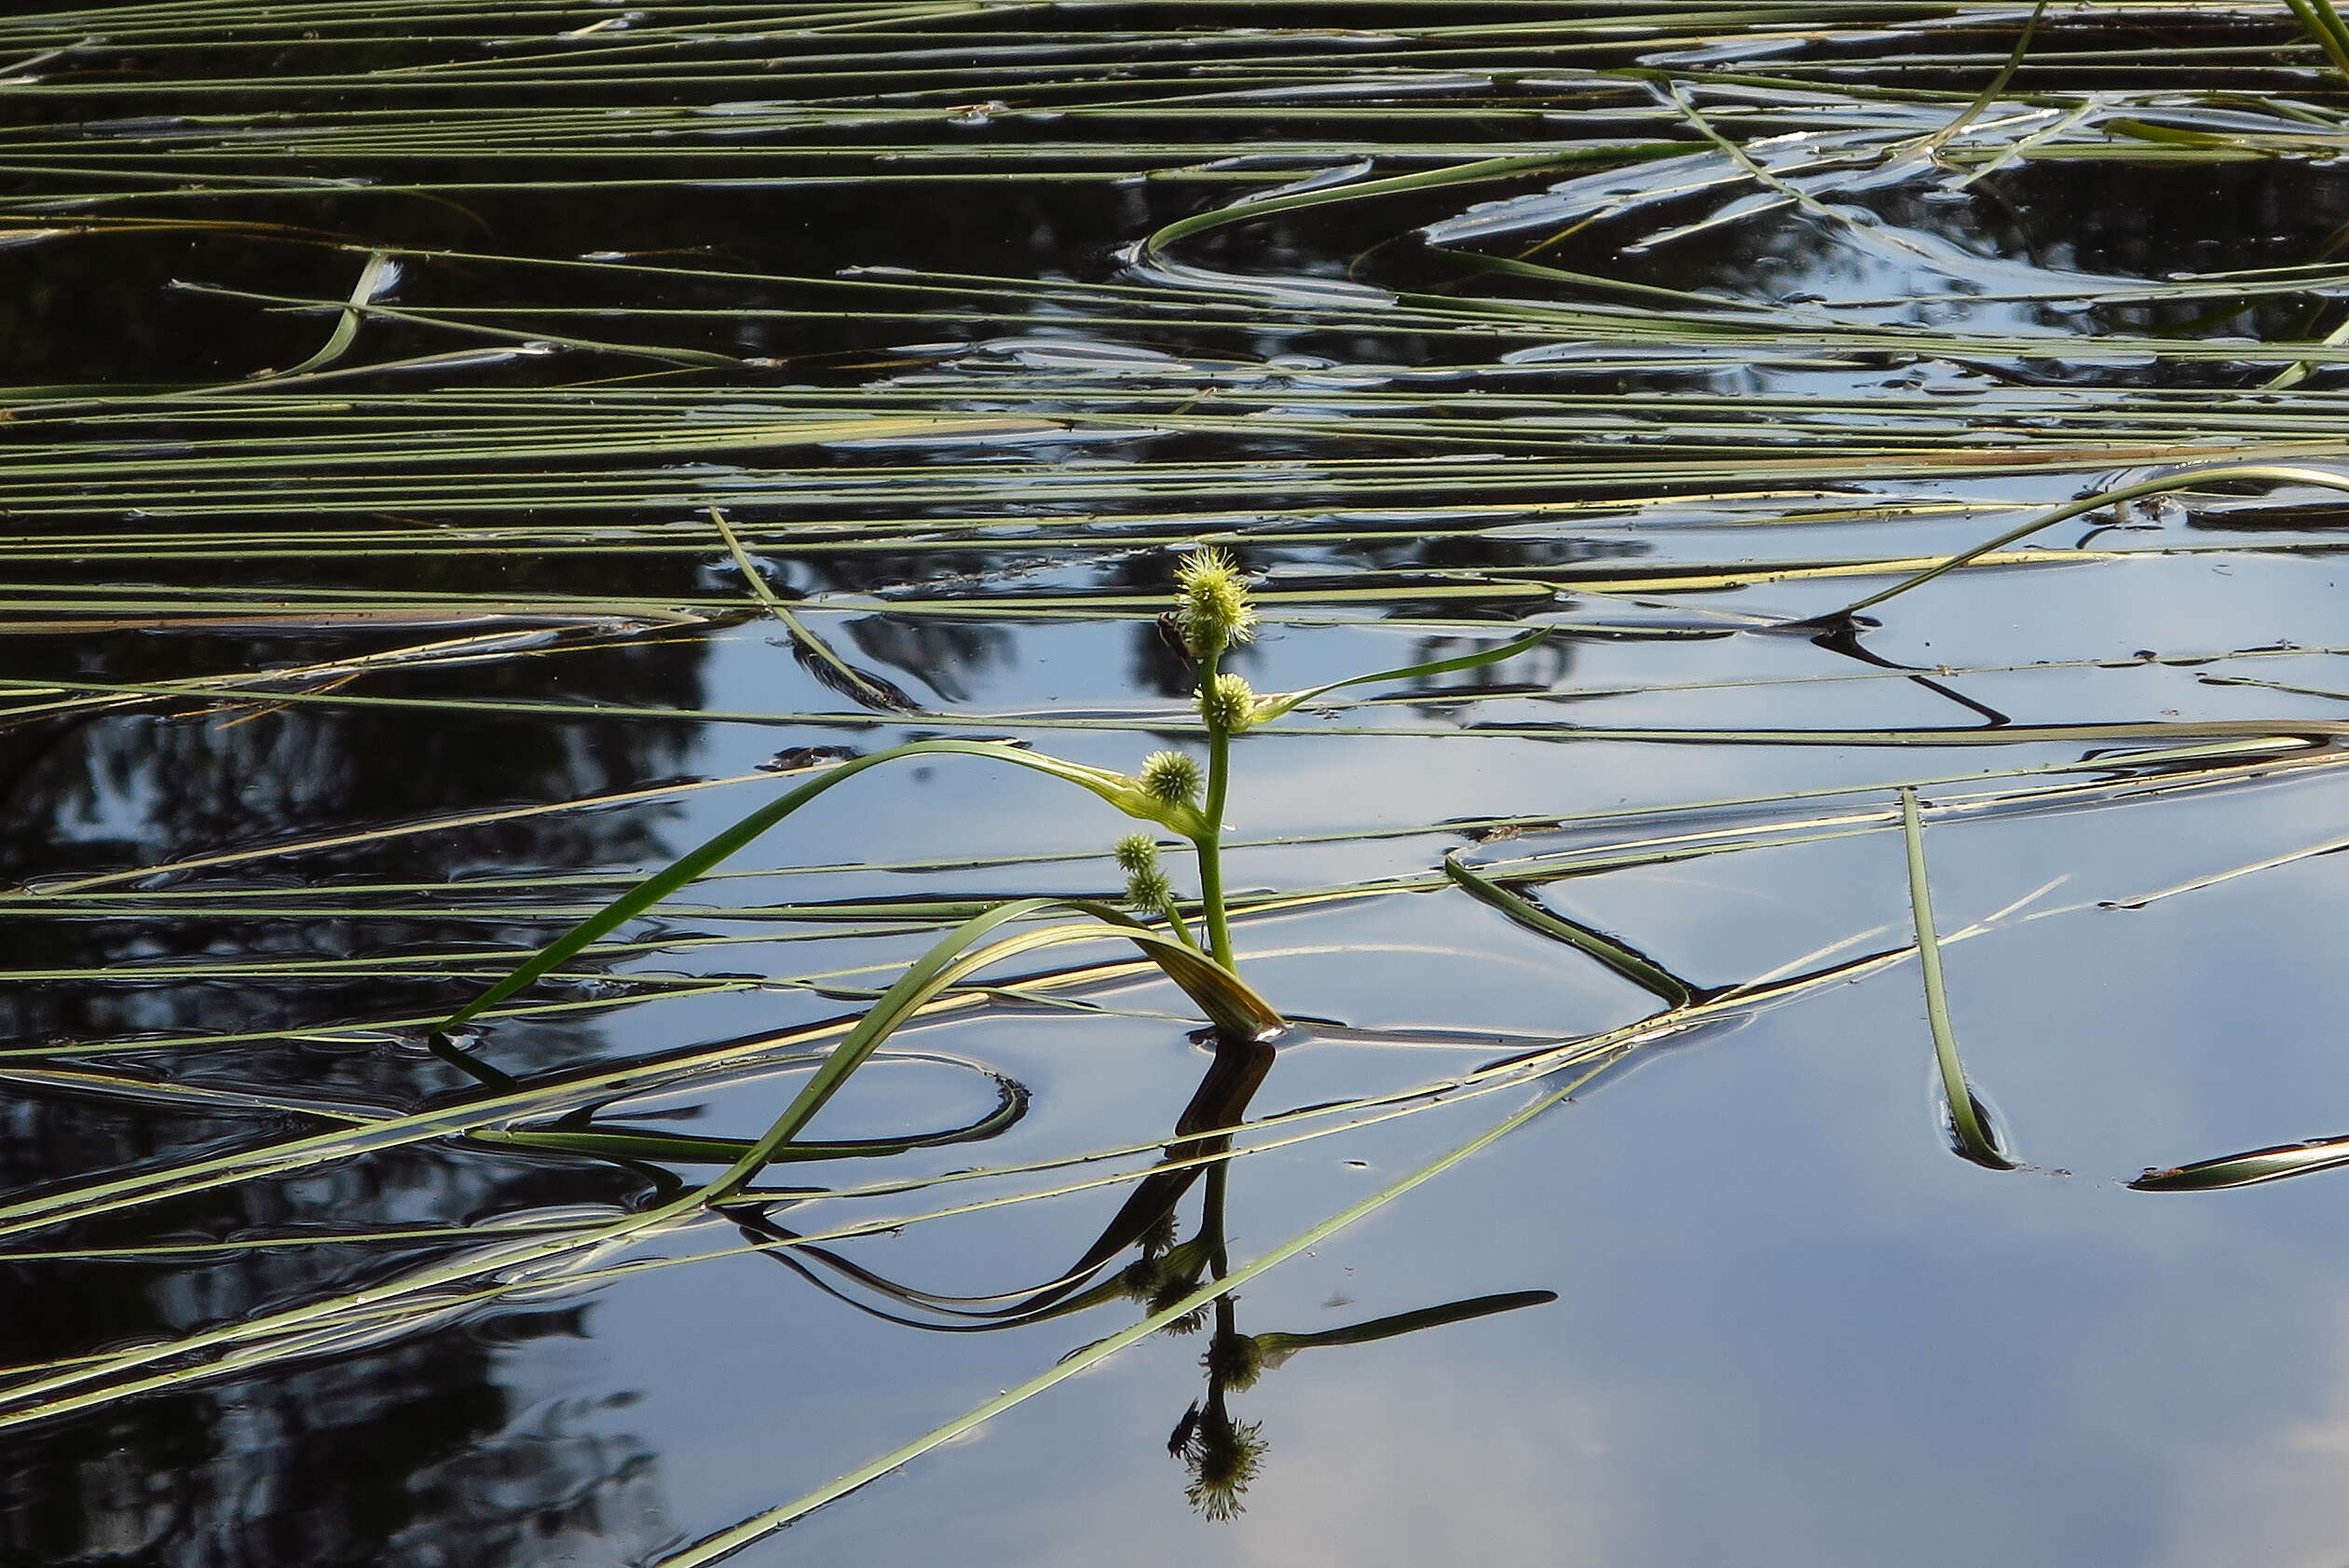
{"points": [[1210, 841]]}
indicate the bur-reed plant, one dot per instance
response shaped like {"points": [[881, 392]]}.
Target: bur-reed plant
{"points": [[1213, 613]]}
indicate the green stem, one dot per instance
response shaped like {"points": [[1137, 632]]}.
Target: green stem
{"points": [[1176, 923], [2323, 25], [1209, 842]]}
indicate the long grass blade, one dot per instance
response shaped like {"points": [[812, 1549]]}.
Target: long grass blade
{"points": [[2222, 474], [2247, 1169], [1628, 961], [1975, 1140], [687, 867]]}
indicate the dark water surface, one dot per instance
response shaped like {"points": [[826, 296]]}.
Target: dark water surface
{"points": [[339, 670]]}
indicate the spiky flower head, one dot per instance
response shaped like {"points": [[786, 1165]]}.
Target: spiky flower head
{"points": [[1174, 1273], [1137, 852], [1146, 886], [1213, 612], [1190, 1322], [1224, 1457], [1141, 1279], [1170, 776], [1234, 1360], [1227, 704]]}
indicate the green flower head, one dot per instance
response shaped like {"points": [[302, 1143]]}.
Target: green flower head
{"points": [[1146, 886], [1137, 852], [1228, 703], [1212, 612], [1170, 776]]}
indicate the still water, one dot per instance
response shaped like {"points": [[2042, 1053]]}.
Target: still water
{"points": [[371, 381]]}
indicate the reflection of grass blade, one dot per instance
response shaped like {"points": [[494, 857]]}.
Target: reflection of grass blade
{"points": [[1406, 1322], [2247, 1169], [1974, 1138], [1288, 702], [644, 1143], [1634, 965]]}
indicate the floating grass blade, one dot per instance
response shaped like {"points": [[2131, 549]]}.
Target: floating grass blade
{"points": [[378, 274], [2169, 486], [1972, 1126], [1633, 964], [1477, 172], [846, 677], [1236, 1008], [2247, 1169], [1989, 94]]}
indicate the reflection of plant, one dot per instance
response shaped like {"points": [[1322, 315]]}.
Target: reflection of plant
{"points": [[1213, 614], [1168, 1279], [1224, 1457], [1223, 1451]]}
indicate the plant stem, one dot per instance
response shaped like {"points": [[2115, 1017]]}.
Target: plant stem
{"points": [[2324, 27], [1210, 841], [1176, 923]]}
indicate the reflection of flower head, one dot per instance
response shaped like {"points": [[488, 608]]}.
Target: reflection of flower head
{"points": [[1172, 1292], [1160, 1279], [1224, 1457], [1234, 1360]]}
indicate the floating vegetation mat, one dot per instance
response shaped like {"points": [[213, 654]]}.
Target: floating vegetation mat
{"points": [[1846, 499]]}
